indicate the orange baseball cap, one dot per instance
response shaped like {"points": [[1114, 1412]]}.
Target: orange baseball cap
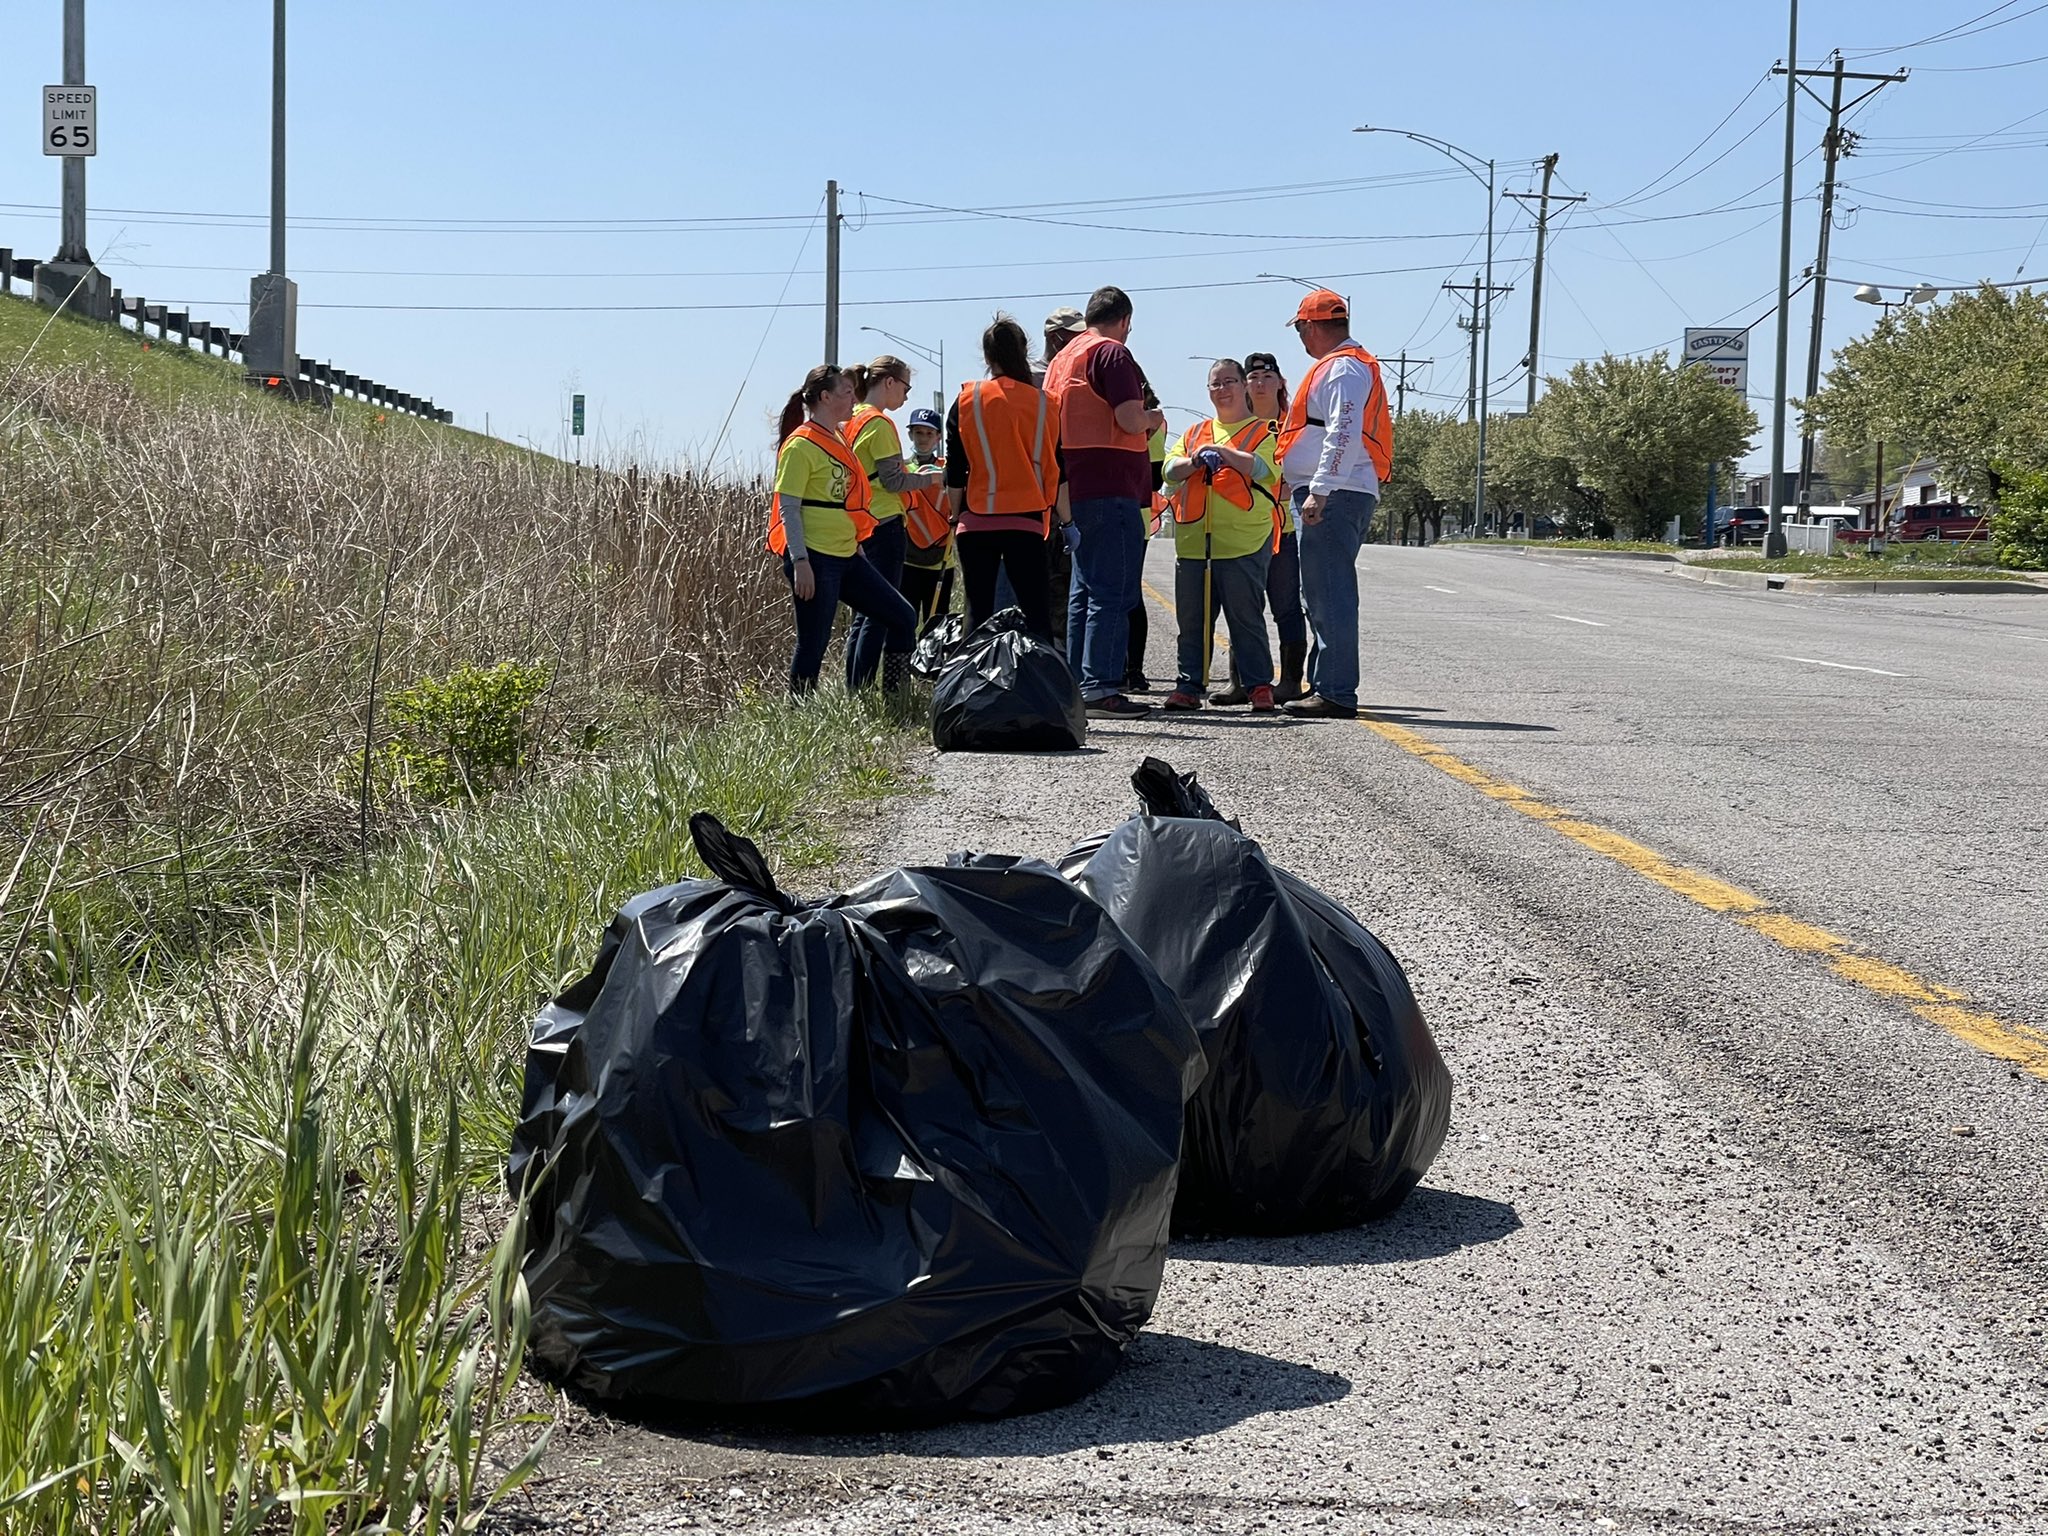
{"points": [[1322, 305]]}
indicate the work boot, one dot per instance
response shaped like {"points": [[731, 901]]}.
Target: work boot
{"points": [[1234, 694], [1292, 659], [1262, 700], [1316, 707]]}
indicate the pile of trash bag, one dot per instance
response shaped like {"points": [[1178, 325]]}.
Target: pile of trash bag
{"points": [[1326, 1100], [1006, 690], [899, 1154], [936, 643]]}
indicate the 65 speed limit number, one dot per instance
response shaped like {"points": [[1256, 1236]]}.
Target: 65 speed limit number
{"points": [[70, 120]]}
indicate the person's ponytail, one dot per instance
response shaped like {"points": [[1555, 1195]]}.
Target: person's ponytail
{"points": [[792, 417]]}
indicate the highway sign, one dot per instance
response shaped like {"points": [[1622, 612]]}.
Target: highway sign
{"points": [[1724, 353], [71, 120], [576, 414]]}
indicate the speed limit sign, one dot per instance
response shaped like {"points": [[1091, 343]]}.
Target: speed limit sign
{"points": [[70, 120]]}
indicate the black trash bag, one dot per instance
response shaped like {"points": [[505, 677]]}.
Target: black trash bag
{"points": [[1326, 1100], [902, 1154], [936, 643], [1006, 690]]}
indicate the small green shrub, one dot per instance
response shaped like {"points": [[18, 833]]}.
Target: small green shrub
{"points": [[2019, 529], [462, 735]]}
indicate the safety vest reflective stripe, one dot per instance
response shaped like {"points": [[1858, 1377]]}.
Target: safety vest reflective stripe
{"points": [[858, 424], [1005, 478], [1190, 501], [924, 513], [1376, 423]]}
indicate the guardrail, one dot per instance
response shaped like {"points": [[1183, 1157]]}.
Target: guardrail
{"points": [[140, 314]]}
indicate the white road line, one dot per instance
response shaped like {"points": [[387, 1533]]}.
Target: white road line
{"points": [[1843, 666], [1595, 623], [1447, 591]]}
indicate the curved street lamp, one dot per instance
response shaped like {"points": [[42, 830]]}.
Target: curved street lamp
{"points": [[937, 358], [1468, 162]]}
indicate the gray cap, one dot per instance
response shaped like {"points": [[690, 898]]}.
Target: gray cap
{"points": [[1066, 318]]}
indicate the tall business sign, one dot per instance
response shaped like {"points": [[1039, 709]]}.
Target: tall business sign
{"points": [[1723, 353]]}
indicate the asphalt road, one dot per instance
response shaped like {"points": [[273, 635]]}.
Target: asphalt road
{"points": [[1731, 1232]]}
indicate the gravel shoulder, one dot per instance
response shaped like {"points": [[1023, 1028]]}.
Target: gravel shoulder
{"points": [[1717, 1242]]}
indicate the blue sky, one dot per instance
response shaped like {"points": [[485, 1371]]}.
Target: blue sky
{"points": [[682, 149]]}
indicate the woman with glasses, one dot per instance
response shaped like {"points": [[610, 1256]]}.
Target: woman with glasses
{"points": [[1267, 387], [880, 387], [816, 521], [1225, 512]]}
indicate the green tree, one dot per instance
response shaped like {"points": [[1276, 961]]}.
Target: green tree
{"points": [[1966, 381], [1449, 465], [2019, 528], [1409, 506], [1642, 433]]}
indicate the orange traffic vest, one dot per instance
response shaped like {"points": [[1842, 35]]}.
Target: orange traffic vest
{"points": [[1086, 419], [924, 514], [1191, 498], [1376, 424], [1011, 432], [857, 500]]}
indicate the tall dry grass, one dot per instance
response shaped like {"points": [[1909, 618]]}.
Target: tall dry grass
{"points": [[199, 607]]}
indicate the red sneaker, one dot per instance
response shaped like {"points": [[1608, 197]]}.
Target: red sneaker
{"points": [[1180, 699], [1262, 700]]}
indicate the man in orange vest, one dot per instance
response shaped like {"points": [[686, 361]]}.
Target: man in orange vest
{"points": [[1107, 464], [1336, 449]]}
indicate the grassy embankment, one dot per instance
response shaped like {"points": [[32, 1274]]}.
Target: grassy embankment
{"points": [[1973, 561], [261, 1009]]}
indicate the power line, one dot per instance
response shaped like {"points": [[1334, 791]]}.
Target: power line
{"points": [[1703, 143], [747, 377], [1957, 32]]}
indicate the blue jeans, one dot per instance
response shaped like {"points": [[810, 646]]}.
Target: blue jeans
{"points": [[1329, 587], [1104, 589], [884, 549], [1237, 588], [1283, 591], [840, 579]]}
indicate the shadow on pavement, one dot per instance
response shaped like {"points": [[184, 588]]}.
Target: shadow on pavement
{"points": [[1415, 717], [1429, 1224], [1168, 1388]]}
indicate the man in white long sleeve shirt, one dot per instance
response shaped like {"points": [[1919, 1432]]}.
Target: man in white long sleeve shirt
{"points": [[1335, 447]]}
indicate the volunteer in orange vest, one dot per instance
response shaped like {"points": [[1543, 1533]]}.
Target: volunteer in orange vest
{"points": [[1003, 475], [1336, 448], [1103, 427], [928, 520], [880, 387], [1268, 390], [1225, 523], [816, 521]]}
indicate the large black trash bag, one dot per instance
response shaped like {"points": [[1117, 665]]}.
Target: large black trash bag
{"points": [[1326, 1100], [901, 1154], [1006, 690], [936, 643]]}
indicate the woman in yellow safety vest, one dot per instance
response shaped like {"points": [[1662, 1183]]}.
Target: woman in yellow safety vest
{"points": [[819, 514], [1267, 386], [1225, 523], [880, 387]]}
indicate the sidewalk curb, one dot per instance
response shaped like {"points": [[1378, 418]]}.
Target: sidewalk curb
{"points": [[1762, 581], [1561, 554]]}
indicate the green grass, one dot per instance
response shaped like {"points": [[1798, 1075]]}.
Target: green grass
{"points": [[167, 373], [1907, 565], [256, 1271]]}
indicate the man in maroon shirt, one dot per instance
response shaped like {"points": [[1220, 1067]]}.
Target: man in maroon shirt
{"points": [[1107, 466]]}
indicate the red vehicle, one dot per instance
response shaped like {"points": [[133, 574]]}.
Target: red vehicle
{"points": [[1933, 522]]}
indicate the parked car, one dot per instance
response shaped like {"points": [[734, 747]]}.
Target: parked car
{"points": [[1935, 521], [1742, 525]]}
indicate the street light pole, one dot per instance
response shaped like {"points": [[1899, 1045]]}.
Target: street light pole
{"points": [[1470, 163], [271, 349], [933, 355], [1774, 530]]}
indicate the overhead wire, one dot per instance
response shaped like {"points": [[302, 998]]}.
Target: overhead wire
{"points": [[747, 376]]}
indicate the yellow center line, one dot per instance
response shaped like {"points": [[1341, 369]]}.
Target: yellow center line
{"points": [[2023, 1045]]}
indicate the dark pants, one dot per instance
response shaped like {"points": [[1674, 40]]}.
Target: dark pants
{"points": [[1019, 556], [1105, 588], [1140, 632], [924, 588], [1237, 590], [1283, 590], [884, 549], [847, 579]]}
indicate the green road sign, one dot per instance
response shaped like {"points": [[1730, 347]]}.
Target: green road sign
{"points": [[576, 414]]}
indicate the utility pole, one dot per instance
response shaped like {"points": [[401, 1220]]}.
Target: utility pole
{"points": [[69, 280], [1533, 361], [831, 271], [1774, 529], [1479, 328], [1402, 364], [1838, 143], [271, 349]]}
